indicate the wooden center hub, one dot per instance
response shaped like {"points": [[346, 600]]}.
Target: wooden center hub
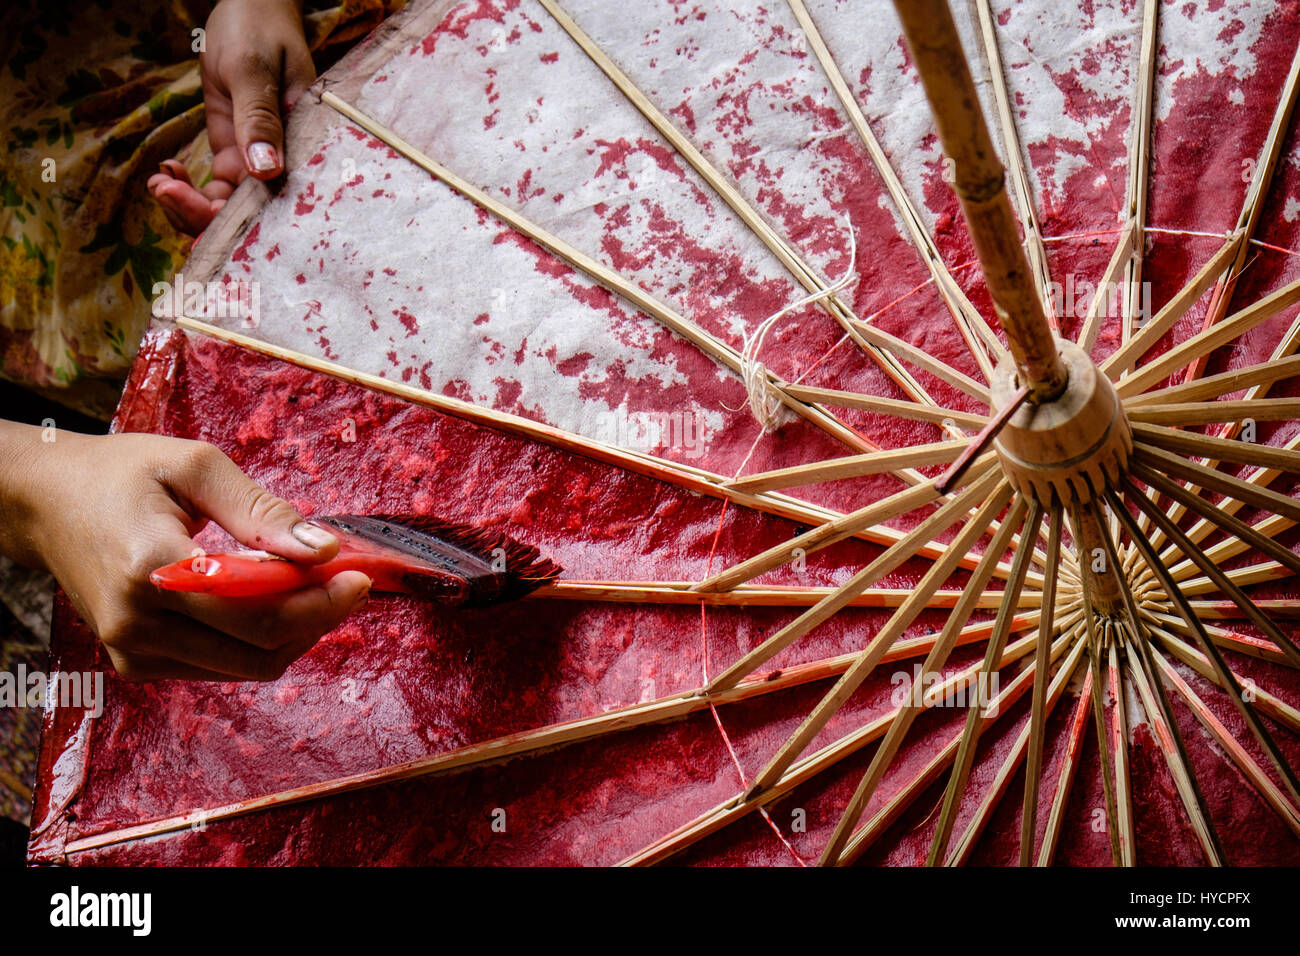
{"points": [[1070, 448]]}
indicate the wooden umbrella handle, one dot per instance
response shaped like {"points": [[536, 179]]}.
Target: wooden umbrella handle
{"points": [[979, 181]]}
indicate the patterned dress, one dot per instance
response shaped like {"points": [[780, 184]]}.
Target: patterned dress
{"points": [[93, 96]]}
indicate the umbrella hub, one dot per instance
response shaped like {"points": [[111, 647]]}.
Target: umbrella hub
{"points": [[1070, 448]]}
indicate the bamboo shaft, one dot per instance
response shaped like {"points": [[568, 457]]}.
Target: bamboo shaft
{"points": [[979, 181]]}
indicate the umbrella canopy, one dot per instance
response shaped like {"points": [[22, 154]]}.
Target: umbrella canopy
{"points": [[589, 327]]}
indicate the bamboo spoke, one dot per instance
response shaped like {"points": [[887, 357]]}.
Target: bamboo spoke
{"points": [[618, 284], [1218, 481], [934, 661], [1205, 413], [888, 814], [1285, 714], [1219, 449], [923, 360], [1098, 690], [1233, 749], [843, 527], [723, 187], [1002, 781], [886, 406], [1125, 249], [1162, 715], [1248, 645], [1231, 524], [980, 338], [1262, 477], [1119, 747], [1122, 359], [1035, 250], [1209, 339], [853, 466], [1224, 383], [1034, 767], [683, 592], [973, 530], [807, 768], [1069, 767], [940, 521], [1175, 760], [1139, 161], [965, 757], [1206, 644]]}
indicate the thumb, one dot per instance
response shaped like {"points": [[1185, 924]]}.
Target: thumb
{"points": [[255, 102], [215, 487]]}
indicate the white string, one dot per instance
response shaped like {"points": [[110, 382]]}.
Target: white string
{"points": [[762, 395]]}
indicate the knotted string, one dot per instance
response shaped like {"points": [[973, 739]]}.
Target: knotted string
{"points": [[763, 397]]}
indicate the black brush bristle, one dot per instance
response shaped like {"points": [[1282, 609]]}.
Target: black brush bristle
{"points": [[524, 571]]}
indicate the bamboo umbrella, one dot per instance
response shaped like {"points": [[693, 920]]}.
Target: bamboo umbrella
{"points": [[1083, 505]]}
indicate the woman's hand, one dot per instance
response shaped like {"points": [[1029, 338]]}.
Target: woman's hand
{"points": [[255, 66], [101, 513]]}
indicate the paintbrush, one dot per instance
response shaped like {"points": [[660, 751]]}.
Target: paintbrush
{"points": [[452, 564]]}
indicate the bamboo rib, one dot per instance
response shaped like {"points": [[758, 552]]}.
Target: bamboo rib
{"points": [[886, 406], [1205, 413], [1253, 772], [670, 707], [942, 519], [1125, 249], [682, 476], [1122, 359], [1140, 161], [683, 592], [619, 285], [923, 360], [830, 532], [805, 769], [934, 661], [852, 466], [1212, 386], [1162, 715], [1220, 579], [1035, 250], [887, 815], [965, 756], [1184, 782], [1065, 779], [1098, 704], [1119, 747], [1253, 206], [1002, 780], [1209, 339], [1037, 718], [1261, 477], [1285, 714], [1221, 449], [1244, 644], [979, 182], [817, 718], [1288, 344], [1206, 644], [977, 332], [1218, 481], [775, 243]]}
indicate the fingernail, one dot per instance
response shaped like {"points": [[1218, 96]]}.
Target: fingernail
{"points": [[262, 158], [312, 536]]}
